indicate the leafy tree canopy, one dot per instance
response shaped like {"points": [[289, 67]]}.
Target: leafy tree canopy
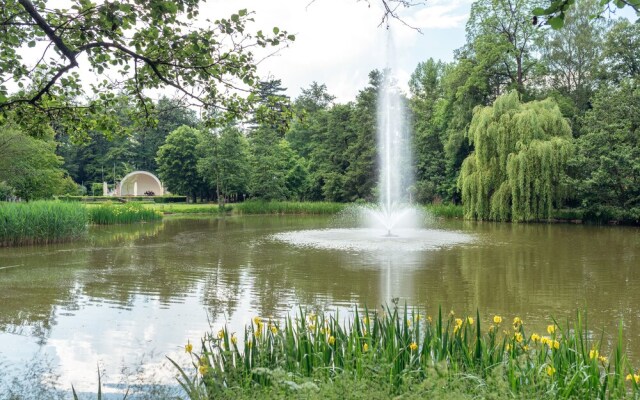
{"points": [[519, 161], [554, 14], [145, 44]]}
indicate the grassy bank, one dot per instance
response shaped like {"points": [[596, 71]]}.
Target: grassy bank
{"points": [[107, 214], [445, 210], [287, 207], [41, 222], [408, 354], [183, 208]]}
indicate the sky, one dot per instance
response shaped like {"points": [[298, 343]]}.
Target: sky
{"points": [[338, 42]]}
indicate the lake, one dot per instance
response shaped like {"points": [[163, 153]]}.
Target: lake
{"points": [[128, 296]]}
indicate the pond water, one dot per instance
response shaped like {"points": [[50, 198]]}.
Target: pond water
{"points": [[128, 296]]}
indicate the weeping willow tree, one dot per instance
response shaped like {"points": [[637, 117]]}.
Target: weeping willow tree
{"points": [[515, 172]]}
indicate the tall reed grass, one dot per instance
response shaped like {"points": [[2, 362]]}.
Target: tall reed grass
{"points": [[445, 210], [287, 207], [41, 222], [397, 346], [107, 214]]}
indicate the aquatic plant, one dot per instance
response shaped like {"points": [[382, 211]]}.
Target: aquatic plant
{"points": [[41, 222], [127, 213], [287, 207], [403, 348]]}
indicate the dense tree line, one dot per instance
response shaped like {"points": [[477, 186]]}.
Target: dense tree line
{"points": [[524, 121]]}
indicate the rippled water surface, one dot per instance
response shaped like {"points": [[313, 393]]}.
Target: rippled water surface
{"points": [[130, 295]]}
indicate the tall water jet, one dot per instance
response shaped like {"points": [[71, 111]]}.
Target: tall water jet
{"points": [[394, 155]]}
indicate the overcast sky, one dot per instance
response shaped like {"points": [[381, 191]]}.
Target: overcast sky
{"points": [[339, 41]]}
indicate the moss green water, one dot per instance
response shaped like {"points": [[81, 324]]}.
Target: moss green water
{"points": [[131, 295]]}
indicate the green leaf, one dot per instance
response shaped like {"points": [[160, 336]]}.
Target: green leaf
{"points": [[32, 43], [539, 11], [276, 30], [556, 22], [291, 37]]}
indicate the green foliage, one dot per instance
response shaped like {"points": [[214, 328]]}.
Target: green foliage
{"points": [[503, 42], [128, 213], [270, 160], [177, 162], [517, 167], [556, 11], [406, 352], [6, 191], [622, 52], [41, 222], [445, 210], [224, 163], [607, 162], [150, 47], [30, 166], [572, 57], [427, 105], [287, 207]]}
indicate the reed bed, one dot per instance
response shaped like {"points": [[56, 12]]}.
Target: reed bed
{"points": [[402, 350], [445, 210], [108, 214], [287, 207], [41, 222]]}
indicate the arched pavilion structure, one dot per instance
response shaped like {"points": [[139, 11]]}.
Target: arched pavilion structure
{"points": [[137, 183]]}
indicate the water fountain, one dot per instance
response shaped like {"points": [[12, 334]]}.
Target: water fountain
{"points": [[393, 225]]}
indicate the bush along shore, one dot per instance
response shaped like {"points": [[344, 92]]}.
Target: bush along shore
{"points": [[406, 354], [41, 222]]}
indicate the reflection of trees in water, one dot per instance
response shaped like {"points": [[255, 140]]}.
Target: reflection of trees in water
{"points": [[227, 263], [541, 271], [50, 279], [42, 280]]}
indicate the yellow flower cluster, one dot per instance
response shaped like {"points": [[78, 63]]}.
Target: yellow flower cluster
{"points": [[518, 337], [188, 347], [258, 322], [551, 329], [535, 338], [332, 340], [203, 367], [221, 334], [550, 342], [517, 322], [365, 348], [413, 346], [470, 320], [458, 325], [551, 370], [593, 354], [497, 319], [635, 377]]}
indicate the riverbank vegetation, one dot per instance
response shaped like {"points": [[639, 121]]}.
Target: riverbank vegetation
{"points": [[41, 222], [407, 353], [287, 207], [108, 214]]}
